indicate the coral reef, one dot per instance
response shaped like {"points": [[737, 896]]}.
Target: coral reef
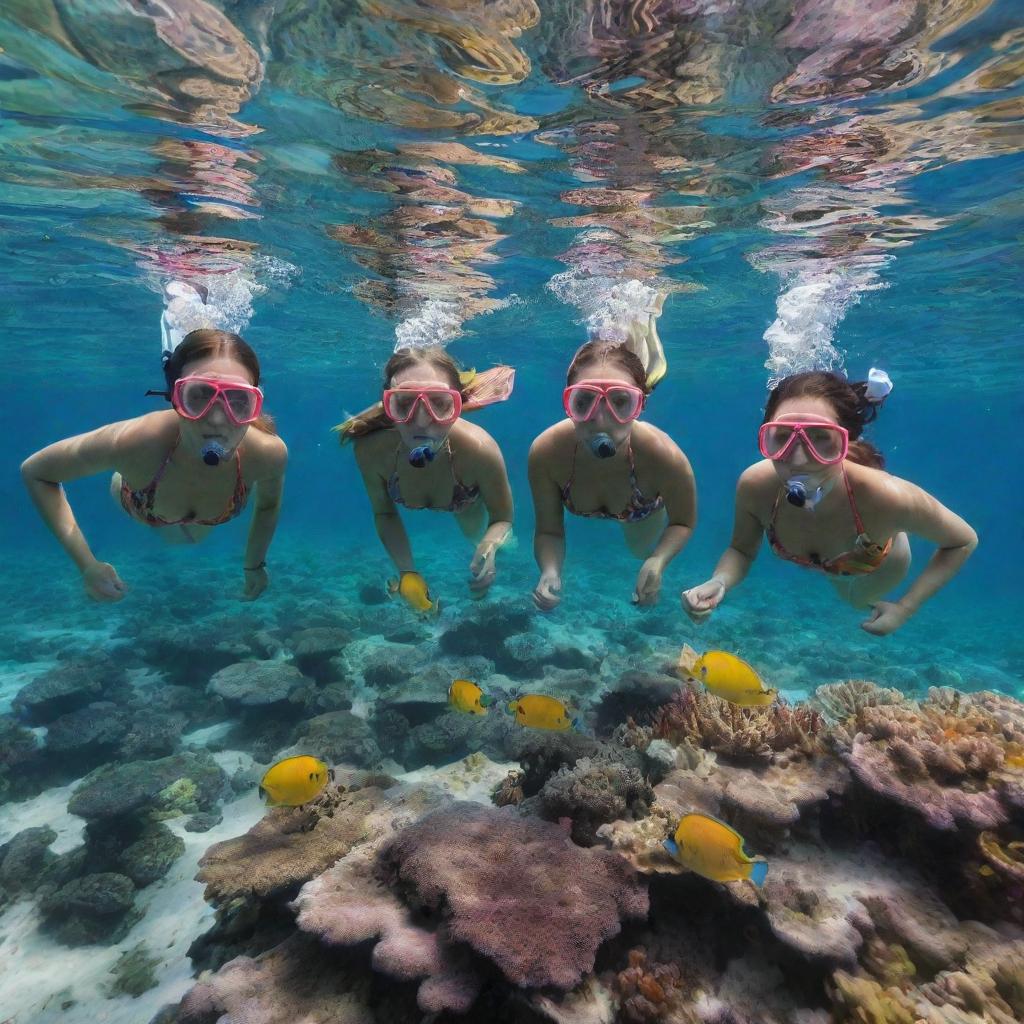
{"points": [[943, 757], [647, 991], [96, 908], [592, 792], [744, 735]]}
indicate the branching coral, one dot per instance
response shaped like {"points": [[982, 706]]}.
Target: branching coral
{"points": [[745, 735], [841, 701], [945, 757]]}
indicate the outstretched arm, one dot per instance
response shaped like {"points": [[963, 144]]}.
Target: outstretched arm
{"points": [[549, 527], [496, 492], [386, 520], [700, 601], [923, 516], [679, 490], [44, 474], [266, 512]]}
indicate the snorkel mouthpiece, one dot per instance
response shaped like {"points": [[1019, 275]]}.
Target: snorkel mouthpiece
{"points": [[798, 492], [602, 446], [421, 455], [212, 453]]}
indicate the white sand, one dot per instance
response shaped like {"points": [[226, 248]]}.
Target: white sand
{"points": [[37, 975]]}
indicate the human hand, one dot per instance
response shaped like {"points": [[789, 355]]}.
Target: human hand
{"points": [[648, 584], [885, 618], [548, 592], [482, 570], [700, 601], [102, 583], [256, 581]]}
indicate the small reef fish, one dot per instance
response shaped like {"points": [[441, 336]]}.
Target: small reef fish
{"points": [[709, 848], [540, 712], [468, 697], [295, 781], [727, 676], [413, 589]]}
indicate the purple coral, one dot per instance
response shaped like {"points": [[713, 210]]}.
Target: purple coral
{"points": [[515, 889]]}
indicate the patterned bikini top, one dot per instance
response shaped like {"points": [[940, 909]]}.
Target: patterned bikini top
{"points": [[463, 495], [865, 556], [139, 504], [638, 506]]}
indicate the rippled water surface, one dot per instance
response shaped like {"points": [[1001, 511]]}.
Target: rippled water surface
{"points": [[793, 183]]}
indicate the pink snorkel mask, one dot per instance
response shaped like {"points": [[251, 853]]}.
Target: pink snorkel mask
{"points": [[583, 399]]}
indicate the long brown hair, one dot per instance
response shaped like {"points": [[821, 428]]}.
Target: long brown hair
{"points": [[612, 352], [207, 342], [849, 401], [477, 389]]}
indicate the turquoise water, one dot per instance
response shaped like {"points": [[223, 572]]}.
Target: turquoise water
{"points": [[842, 192]]}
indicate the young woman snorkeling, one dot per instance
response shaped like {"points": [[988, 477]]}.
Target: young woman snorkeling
{"points": [[823, 499], [415, 449], [602, 462], [181, 471]]}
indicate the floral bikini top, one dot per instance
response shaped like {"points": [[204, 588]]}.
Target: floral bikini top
{"points": [[139, 504], [865, 557], [638, 506], [463, 495]]}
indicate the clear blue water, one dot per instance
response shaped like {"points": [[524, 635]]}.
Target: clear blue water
{"points": [[102, 164]]}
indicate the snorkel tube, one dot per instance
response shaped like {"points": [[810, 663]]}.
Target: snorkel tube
{"points": [[602, 446], [212, 453]]}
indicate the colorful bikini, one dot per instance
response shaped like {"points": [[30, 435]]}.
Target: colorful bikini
{"points": [[638, 507], [865, 557], [139, 503], [463, 495]]}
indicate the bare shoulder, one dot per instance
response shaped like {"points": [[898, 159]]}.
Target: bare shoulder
{"points": [[143, 439], [374, 450], [265, 454], [880, 489], [552, 443], [474, 439], [653, 443], [757, 486]]}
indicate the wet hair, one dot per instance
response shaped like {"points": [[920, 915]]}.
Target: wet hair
{"points": [[613, 352], [849, 402], [372, 419], [207, 342]]}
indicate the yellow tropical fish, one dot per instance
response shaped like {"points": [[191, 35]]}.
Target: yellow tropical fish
{"points": [[295, 781], [466, 696], [413, 589], [710, 848], [540, 712], [727, 676]]}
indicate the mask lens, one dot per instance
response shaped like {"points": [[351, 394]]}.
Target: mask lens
{"points": [[242, 403], [827, 443], [399, 405], [581, 403], [623, 403], [776, 437], [442, 405], [196, 397]]}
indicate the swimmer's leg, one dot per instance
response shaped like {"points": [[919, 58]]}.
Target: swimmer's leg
{"points": [[642, 537], [473, 521], [864, 591]]}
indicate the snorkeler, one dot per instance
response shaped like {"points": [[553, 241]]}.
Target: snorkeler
{"points": [[603, 463], [821, 489], [414, 449], [183, 470]]}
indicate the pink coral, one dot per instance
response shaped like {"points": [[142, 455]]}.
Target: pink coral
{"points": [[515, 889], [944, 757]]}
